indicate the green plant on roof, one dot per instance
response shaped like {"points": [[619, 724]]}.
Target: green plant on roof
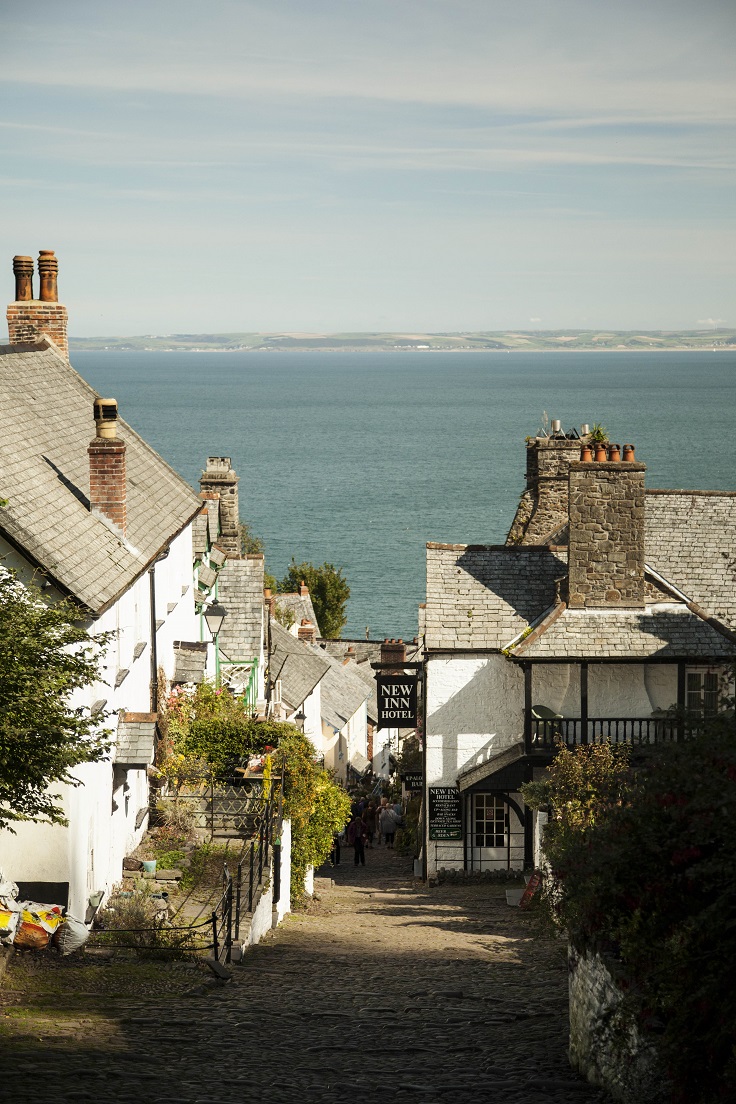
{"points": [[598, 434]]}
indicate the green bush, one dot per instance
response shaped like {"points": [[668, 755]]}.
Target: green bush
{"points": [[316, 806], [648, 868]]}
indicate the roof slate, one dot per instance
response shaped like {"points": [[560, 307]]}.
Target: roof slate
{"points": [[295, 664], [342, 692], [46, 425], [240, 590], [480, 597], [190, 660], [134, 745], [661, 630], [690, 539], [302, 608]]}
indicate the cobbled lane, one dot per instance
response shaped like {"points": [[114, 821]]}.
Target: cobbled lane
{"points": [[383, 987]]}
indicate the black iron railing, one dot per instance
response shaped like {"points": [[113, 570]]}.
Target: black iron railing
{"points": [[252, 870], [638, 731]]}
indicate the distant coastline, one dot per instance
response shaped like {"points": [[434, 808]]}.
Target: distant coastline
{"points": [[480, 341]]}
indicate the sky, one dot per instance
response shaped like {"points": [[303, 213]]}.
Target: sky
{"points": [[373, 165]]}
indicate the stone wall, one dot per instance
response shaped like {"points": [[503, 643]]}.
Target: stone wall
{"points": [[606, 1046], [543, 506], [606, 541]]}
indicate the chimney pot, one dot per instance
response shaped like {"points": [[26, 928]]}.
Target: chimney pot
{"points": [[303, 589], [586, 454], [600, 453], [267, 593], [23, 271], [106, 415], [48, 268], [584, 429], [614, 454], [629, 454]]}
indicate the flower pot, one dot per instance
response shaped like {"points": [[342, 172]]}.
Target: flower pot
{"points": [[149, 866]]}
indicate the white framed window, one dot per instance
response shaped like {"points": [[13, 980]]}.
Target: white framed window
{"points": [[490, 822], [702, 691]]}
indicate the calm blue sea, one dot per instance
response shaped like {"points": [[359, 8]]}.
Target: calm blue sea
{"points": [[360, 458]]}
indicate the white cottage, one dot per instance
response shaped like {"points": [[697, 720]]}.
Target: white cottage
{"points": [[93, 513], [608, 606]]}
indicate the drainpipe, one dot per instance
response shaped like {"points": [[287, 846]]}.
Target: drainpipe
{"points": [[154, 649]]}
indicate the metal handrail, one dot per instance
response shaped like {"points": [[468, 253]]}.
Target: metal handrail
{"points": [[638, 731]]}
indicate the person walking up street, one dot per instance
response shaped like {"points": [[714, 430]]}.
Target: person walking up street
{"points": [[357, 834], [387, 824], [369, 819]]}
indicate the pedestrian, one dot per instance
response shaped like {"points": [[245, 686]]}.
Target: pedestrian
{"points": [[387, 824], [335, 852], [357, 837], [370, 818]]}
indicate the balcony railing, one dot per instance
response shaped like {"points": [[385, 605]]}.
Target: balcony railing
{"points": [[567, 731]]}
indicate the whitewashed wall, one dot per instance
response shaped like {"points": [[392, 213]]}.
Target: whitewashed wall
{"points": [[89, 852], [475, 708]]}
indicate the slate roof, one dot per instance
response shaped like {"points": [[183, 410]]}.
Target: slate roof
{"points": [[302, 608], [481, 596], [134, 745], [295, 664], [240, 591], [199, 534], [690, 539], [665, 630], [46, 424], [342, 691], [190, 660]]}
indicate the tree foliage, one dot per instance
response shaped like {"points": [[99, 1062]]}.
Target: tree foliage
{"points": [[316, 806], [250, 543], [648, 869], [45, 655], [328, 589]]}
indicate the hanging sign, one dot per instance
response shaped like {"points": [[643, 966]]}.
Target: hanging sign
{"points": [[397, 701], [413, 780], [445, 813]]}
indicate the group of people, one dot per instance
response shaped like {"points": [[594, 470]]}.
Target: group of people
{"points": [[369, 825]]}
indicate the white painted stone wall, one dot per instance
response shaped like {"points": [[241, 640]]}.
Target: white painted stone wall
{"points": [[283, 905], [475, 708], [606, 1046], [89, 852]]}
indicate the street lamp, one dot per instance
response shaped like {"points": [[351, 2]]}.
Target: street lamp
{"points": [[214, 616]]}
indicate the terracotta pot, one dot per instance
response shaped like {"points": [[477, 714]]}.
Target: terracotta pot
{"points": [[600, 452], [629, 454], [586, 454], [615, 453]]}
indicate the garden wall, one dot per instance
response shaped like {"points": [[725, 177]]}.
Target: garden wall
{"points": [[606, 1045]]}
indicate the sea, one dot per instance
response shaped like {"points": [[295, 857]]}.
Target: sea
{"points": [[359, 459]]}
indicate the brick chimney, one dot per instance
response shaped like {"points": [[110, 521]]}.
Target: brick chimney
{"points": [[307, 632], [107, 465], [219, 478], [394, 652], [543, 506], [29, 319], [303, 590], [606, 547]]}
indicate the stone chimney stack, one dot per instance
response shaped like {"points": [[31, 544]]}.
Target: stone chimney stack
{"points": [[220, 478], [543, 506], [29, 319], [106, 451], [307, 632], [606, 547]]}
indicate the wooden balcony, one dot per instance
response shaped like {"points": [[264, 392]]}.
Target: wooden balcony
{"points": [[546, 736]]}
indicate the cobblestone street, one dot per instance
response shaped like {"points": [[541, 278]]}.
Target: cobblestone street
{"points": [[383, 987]]}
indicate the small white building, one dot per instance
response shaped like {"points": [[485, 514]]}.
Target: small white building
{"points": [[608, 606], [93, 514]]}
